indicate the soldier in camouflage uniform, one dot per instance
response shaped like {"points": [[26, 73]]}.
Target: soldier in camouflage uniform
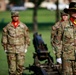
{"points": [[54, 31], [15, 40], [67, 34]]}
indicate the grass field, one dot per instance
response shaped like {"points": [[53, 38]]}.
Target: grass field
{"points": [[45, 18]]}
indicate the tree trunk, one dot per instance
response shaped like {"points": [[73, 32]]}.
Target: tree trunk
{"points": [[35, 24], [57, 11]]}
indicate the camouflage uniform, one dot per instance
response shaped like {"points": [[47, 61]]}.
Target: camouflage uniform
{"points": [[54, 32], [67, 34], [14, 40]]}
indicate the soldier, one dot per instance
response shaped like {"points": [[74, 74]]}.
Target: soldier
{"points": [[15, 40], [64, 17], [67, 34]]}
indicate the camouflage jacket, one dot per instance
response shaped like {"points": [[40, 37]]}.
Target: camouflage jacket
{"points": [[67, 34], [15, 36], [54, 33]]}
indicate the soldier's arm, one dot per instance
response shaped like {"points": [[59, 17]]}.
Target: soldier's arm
{"points": [[59, 42], [4, 38], [53, 33]]}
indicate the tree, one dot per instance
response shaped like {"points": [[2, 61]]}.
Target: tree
{"points": [[16, 2], [36, 3], [57, 11]]}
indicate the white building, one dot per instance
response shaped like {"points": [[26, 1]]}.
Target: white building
{"points": [[2, 5]]}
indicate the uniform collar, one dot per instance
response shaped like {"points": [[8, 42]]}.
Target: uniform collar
{"points": [[73, 21], [61, 20], [13, 25]]}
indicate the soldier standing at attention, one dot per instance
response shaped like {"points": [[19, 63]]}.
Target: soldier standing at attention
{"points": [[67, 34], [15, 40], [54, 32]]}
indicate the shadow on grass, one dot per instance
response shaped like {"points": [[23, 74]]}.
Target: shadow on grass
{"points": [[41, 26]]}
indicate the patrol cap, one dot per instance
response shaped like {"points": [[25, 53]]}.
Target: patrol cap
{"points": [[63, 13], [14, 13]]}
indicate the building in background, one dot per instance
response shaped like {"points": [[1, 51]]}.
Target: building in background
{"points": [[3, 5], [51, 4], [28, 4]]}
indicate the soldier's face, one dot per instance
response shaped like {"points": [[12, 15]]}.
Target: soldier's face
{"points": [[15, 18], [73, 14], [65, 17]]}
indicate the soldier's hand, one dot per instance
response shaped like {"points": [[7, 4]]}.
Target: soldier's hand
{"points": [[25, 50], [5, 50], [59, 60], [26, 46]]}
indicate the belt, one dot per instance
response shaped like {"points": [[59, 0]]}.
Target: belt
{"points": [[15, 45], [19, 36]]}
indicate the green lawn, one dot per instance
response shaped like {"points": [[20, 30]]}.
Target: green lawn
{"points": [[45, 18]]}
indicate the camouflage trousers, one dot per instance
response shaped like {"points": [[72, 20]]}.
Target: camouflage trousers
{"points": [[15, 63], [69, 67]]}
